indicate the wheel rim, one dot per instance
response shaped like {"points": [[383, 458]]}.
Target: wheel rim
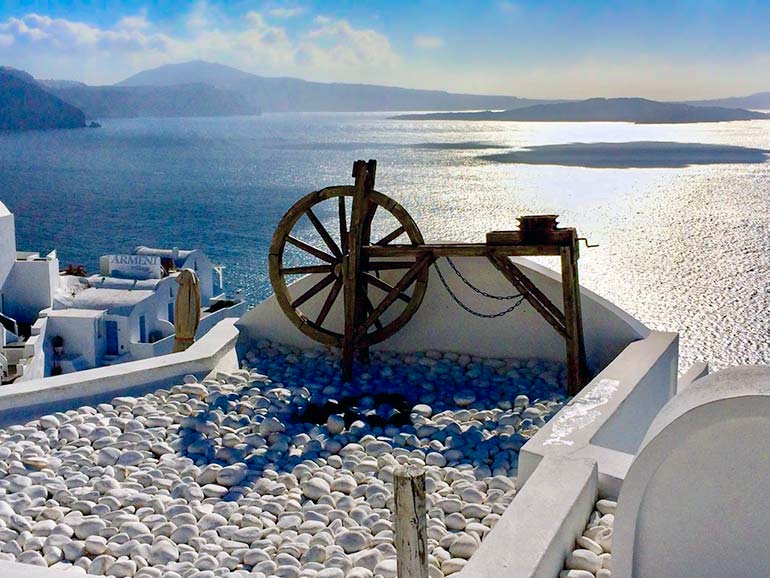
{"points": [[327, 264]]}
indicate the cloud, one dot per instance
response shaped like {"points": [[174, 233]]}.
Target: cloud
{"points": [[285, 13], [507, 6], [336, 45], [326, 49], [428, 42]]}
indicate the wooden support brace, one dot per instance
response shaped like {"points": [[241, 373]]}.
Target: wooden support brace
{"points": [[411, 531], [531, 293]]}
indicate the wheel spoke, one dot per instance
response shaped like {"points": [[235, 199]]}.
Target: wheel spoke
{"points": [[392, 236], [330, 299], [343, 224], [369, 309], [419, 266], [386, 287], [314, 290], [307, 269], [324, 233], [323, 255]]}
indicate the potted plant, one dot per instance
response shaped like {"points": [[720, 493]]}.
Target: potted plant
{"points": [[58, 344]]}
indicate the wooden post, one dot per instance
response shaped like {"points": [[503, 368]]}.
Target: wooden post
{"points": [[576, 356], [352, 267], [363, 260], [411, 531]]}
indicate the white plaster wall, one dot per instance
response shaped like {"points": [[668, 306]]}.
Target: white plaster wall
{"points": [[694, 502], [440, 324], [30, 288], [81, 337], [7, 244]]}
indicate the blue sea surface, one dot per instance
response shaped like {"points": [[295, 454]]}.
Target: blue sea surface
{"points": [[683, 245]]}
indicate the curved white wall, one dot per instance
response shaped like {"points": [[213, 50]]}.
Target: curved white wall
{"points": [[440, 324], [694, 502]]}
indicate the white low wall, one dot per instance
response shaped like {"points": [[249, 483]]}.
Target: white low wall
{"points": [[539, 528], [440, 324], [607, 421], [26, 400]]}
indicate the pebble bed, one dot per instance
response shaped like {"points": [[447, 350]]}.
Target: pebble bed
{"points": [[593, 550], [283, 476]]}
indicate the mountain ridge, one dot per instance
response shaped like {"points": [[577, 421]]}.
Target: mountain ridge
{"points": [[24, 105], [288, 94]]}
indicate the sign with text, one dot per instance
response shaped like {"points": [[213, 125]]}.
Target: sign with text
{"points": [[131, 266]]}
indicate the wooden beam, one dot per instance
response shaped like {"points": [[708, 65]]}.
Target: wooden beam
{"points": [[461, 250], [535, 298], [576, 357], [411, 528]]}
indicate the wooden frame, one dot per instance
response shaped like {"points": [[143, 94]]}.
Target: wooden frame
{"points": [[348, 268]]}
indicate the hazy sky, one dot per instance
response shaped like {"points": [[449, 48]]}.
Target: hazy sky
{"points": [[658, 49]]}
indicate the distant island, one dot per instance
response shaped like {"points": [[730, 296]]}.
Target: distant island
{"points": [[636, 110], [208, 89], [760, 101], [24, 105]]}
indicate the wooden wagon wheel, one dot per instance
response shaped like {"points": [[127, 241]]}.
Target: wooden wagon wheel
{"points": [[330, 263]]}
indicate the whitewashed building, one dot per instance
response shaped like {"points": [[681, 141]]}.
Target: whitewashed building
{"points": [[28, 282], [53, 323], [126, 312]]}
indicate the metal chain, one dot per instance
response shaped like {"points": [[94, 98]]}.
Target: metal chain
{"points": [[468, 309], [476, 289]]}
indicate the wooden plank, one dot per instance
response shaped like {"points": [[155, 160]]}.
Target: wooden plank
{"points": [[576, 362], [461, 250], [411, 528], [536, 299]]}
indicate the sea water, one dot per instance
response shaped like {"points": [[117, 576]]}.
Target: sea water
{"points": [[683, 236]]}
